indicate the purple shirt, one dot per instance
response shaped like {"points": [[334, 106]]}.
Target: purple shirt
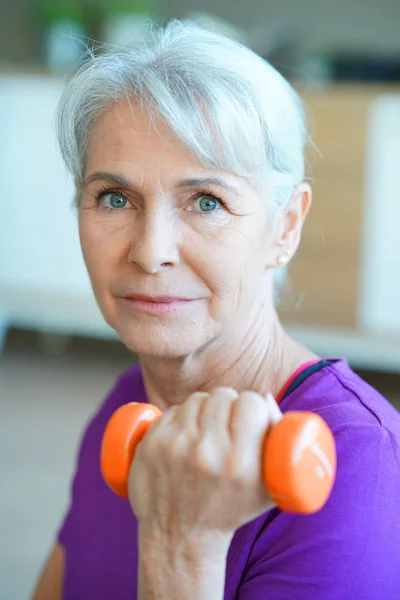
{"points": [[350, 549]]}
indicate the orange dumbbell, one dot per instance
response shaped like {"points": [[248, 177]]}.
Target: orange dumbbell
{"points": [[298, 458]]}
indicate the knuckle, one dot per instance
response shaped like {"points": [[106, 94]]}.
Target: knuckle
{"points": [[192, 405], [197, 397], [157, 442], [177, 447], [226, 392], [241, 471], [207, 460], [237, 477]]}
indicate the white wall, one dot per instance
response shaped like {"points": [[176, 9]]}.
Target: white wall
{"points": [[38, 227], [43, 279], [379, 308]]}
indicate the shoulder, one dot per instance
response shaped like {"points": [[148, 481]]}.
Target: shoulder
{"points": [[344, 400], [365, 425], [350, 547]]}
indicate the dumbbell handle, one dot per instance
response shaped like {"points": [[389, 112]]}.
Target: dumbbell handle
{"points": [[298, 456]]}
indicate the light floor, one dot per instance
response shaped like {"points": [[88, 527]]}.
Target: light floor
{"points": [[48, 389], [46, 398]]}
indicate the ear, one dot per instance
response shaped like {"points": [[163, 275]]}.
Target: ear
{"points": [[290, 224]]}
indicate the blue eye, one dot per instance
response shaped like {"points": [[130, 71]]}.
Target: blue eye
{"points": [[207, 203], [113, 201]]}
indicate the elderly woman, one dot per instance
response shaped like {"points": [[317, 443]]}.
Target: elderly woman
{"points": [[187, 150]]}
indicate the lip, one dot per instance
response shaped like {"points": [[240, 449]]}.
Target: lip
{"points": [[157, 299], [157, 304]]}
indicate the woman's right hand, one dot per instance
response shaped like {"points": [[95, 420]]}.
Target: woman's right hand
{"points": [[195, 460]]}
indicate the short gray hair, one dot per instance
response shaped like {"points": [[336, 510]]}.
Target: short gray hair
{"points": [[229, 106]]}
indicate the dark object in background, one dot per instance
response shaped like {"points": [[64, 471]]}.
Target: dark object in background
{"points": [[364, 67]]}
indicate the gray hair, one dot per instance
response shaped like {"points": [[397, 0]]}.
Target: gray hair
{"points": [[230, 107]]}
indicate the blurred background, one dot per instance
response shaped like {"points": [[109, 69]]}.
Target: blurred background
{"points": [[58, 358]]}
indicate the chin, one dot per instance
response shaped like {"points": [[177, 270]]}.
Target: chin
{"points": [[161, 341], [165, 336]]}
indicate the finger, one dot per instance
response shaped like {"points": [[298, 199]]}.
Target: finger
{"points": [[168, 417], [214, 439], [163, 426], [186, 417], [251, 419], [215, 415], [250, 415]]}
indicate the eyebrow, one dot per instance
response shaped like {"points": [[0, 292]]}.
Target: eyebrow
{"points": [[104, 176], [199, 181], [184, 183]]}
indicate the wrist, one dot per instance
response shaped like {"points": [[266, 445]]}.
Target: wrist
{"points": [[198, 551], [184, 568]]}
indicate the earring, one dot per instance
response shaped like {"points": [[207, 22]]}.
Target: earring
{"points": [[283, 260]]}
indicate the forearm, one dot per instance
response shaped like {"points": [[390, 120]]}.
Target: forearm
{"points": [[181, 571]]}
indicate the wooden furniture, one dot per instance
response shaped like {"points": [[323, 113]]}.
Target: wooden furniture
{"points": [[336, 270], [325, 270]]}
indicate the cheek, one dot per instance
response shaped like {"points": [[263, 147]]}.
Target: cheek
{"points": [[230, 265], [89, 244], [99, 249]]}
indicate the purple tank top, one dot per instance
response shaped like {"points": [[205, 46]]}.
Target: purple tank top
{"points": [[350, 549]]}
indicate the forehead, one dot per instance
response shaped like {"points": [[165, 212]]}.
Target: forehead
{"points": [[129, 131], [135, 142]]}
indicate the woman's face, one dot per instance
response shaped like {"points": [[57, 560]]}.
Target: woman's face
{"points": [[155, 222]]}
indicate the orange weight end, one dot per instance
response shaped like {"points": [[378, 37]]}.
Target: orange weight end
{"points": [[124, 431], [299, 462]]}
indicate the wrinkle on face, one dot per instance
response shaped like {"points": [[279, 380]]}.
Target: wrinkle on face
{"points": [[222, 257]]}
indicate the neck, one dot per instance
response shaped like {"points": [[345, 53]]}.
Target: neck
{"points": [[254, 354]]}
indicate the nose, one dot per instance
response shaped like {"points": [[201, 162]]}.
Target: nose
{"points": [[154, 247]]}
